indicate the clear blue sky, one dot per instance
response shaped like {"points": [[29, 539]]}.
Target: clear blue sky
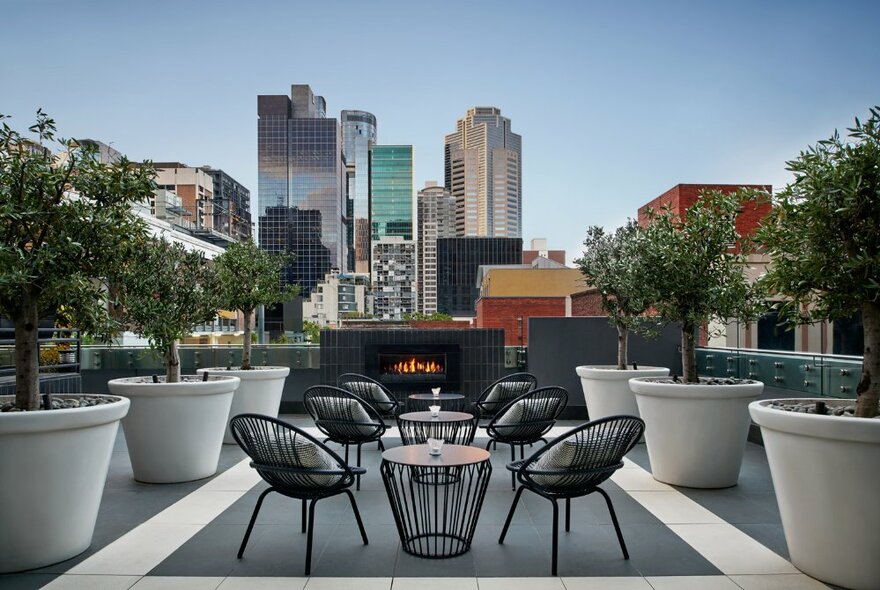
{"points": [[616, 101]]}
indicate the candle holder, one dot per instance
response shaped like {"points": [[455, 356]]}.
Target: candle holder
{"points": [[435, 391], [435, 446], [435, 411]]}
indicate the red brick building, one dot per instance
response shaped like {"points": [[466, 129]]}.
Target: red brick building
{"points": [[513, 313]]}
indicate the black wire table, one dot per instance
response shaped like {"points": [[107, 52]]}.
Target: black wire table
{"points": [[455, 428], [418, 402], [436, 499]]}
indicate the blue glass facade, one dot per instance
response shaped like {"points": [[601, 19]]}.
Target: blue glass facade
{"points": [[358, 135], [391, 191], [457, 263]]}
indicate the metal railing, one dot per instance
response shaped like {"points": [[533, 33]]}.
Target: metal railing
{"points": [[827, 375], [143, 360], [60, 354]]}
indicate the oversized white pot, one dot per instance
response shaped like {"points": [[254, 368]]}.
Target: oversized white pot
{"points": [[606, 389], [53, 466], [174, 431], [695, 433], [258, 393], [826, 473]]}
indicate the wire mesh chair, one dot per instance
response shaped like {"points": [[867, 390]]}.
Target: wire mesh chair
{"points": [[344, 418], [502, 391], [526, 419], [573, 465], [372, 392], [296, 465]]}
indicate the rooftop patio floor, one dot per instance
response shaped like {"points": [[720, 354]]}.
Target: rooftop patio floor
{"points": [[187, 535]]}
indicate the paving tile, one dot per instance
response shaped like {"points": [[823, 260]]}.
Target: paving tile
{"points": [[263, 584], [348, 584], [138, 551], [28, 581], [523, 553], [177, 583], [434, 584], [89, 582], [654, 550], [731, 550], [280, 551], [604, 583], [587, 551], [692, 583], [239, 477], [674, 508], [346, 552], [636, 479], [737, 506], [200, 507], [778, 582], [520, 584], [209, 553], [771, 536]]}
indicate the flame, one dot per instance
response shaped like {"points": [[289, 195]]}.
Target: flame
{"points": [[413, 366]]}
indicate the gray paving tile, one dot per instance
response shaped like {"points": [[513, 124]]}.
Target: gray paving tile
{"points": [[210, 553], [770, 535], [280, 550], [522, 554], [346, 555], [28, 581]]}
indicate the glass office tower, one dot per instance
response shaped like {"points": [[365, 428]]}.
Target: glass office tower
{"points": [[358, 135], [457, 262], [301, 185], [391, 191]]}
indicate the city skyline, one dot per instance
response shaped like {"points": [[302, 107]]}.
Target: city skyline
{"points": [[615, 104]]}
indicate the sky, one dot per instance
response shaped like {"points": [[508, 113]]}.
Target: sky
{"points": [[616, 102]]}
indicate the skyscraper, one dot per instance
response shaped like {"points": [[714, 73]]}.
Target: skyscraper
{"points": [[457, 262], [436, 219], [358, 135], [301, 169], [483, 168], [391, 191]]}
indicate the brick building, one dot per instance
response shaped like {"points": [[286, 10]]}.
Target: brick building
{"points": [[513, 313]]}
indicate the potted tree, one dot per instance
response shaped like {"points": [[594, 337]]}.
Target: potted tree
{"points": [[613, 264], [696, 429], [823, 239], [66, 223], [174, 430], [248, 277]]}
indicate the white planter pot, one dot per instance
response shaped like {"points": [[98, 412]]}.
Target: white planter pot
{"points": [[53, 466], [825, 473], [258, 393], [174, 431], [606, 389], [696, 434]]}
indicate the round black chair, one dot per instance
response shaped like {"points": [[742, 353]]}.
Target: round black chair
{"points": [[372, 392], [503, 391]]}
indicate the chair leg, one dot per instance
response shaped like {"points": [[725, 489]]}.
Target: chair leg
{"points": [[555, 536], [489, 444], [522, 452], [568, 515], [614, 520], [304, 517], [512, 474], [346, 454], [381, 445], [357, 516], [310, 537], [247, 534], [358, 464], [510, 513]]}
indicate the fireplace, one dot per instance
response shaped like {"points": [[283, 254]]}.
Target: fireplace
{"points": [[410, 368]]}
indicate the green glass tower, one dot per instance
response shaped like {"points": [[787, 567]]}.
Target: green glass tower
{"points": [[391, 191]]}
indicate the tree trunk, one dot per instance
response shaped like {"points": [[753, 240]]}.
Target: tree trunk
{"points": [[688, 354], [868, 389], [172, 364], [27, 357], [622, 336], [246, 348]]}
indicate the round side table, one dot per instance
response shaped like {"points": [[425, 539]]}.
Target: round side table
{"points": [[418, 402], [456, 428], [436, 499]]}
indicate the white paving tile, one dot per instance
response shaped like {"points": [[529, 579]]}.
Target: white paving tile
{"points": [[253, 583], [177, 583], [630, 464], [199, 507], [675, 508], [731, 550], [349, 584], [434, 584], [520, 584], [778, 582], [635, 479], [692, 583], [613, 583], [138, 551], [240, 477], [87, 582]]}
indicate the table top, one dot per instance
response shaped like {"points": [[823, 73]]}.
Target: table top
{"points": [[452, 456], [441, 417], [431, 396]]}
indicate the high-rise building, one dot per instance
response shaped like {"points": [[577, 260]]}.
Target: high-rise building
{"points": [[232, 205], [457, 262], [436, 219], [483, 167], [301, 169], [339, 295], [394, 277], [358, 135], [391, 191]]}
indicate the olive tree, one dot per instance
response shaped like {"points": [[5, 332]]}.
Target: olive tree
{"points": [[696, 264], [247, 277], [823, 237], [65, 224], [166, 292], [614, 264]]}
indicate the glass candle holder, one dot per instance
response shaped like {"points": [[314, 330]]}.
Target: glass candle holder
{"points": [[435, 411], [435, 446], [435, 391]]}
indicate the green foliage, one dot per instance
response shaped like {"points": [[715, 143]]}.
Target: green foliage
{"points": [[436, 316], [64, 224], [166, 293], [248, 276], [282, 339], [312, 332], [694, 272]]}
